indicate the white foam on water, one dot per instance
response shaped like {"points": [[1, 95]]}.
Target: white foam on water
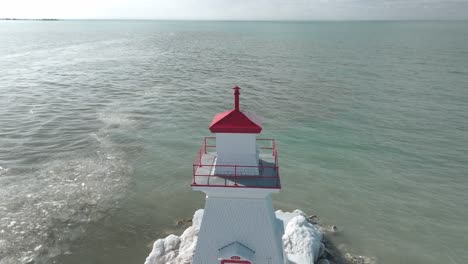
{"points": [[116, 119], [3, 170], [43, 211]]}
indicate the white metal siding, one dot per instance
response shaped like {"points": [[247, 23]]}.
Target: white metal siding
{"points": [[251, 222], [236, 149]]}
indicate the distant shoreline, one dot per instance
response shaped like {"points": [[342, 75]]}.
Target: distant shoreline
{"points": [[235, 20], [31, 19]]}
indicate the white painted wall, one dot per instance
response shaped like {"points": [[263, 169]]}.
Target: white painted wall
{"points": [[237, 149], [250, 221]]}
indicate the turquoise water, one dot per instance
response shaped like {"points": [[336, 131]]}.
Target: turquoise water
{"points": [[100, 121]]}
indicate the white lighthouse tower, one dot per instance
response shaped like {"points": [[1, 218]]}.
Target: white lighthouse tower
{"points": [[238, 173]]}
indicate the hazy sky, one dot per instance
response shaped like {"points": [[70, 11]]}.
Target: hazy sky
{"points": [[237, 9]]}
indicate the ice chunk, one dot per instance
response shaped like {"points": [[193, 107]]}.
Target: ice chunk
{"points": [[174, 249], [301, 240]]}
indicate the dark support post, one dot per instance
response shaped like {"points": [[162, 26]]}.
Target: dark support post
{"points": [[205, 143], [236, 97], [193, 179], [200, 158]]}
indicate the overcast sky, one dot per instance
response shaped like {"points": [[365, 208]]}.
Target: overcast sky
{"points": [[237, 9]]}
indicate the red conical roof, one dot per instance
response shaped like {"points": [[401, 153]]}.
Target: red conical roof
{"points": [[235, 121]]}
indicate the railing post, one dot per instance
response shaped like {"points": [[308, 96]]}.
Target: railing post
{"points": [[205, 143], [274, 167], [235, 175], [276, 160], [193, 176], [200, 158], [277, 176], [272, 148]]}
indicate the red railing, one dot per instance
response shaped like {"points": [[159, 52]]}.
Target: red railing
{"points": [[267, 177]]}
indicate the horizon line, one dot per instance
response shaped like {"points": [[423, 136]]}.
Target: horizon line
{"points": [[231, 20]]}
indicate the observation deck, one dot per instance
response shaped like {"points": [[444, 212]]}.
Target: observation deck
{"points": [[208, 173]]}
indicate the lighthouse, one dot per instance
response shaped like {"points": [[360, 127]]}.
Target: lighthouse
{"points": [[238, 172]]}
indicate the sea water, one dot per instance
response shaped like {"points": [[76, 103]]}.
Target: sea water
{"points": [[100, 121]]}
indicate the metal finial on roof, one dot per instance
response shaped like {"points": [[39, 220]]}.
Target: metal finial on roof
{"points": [[236, 97]]}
